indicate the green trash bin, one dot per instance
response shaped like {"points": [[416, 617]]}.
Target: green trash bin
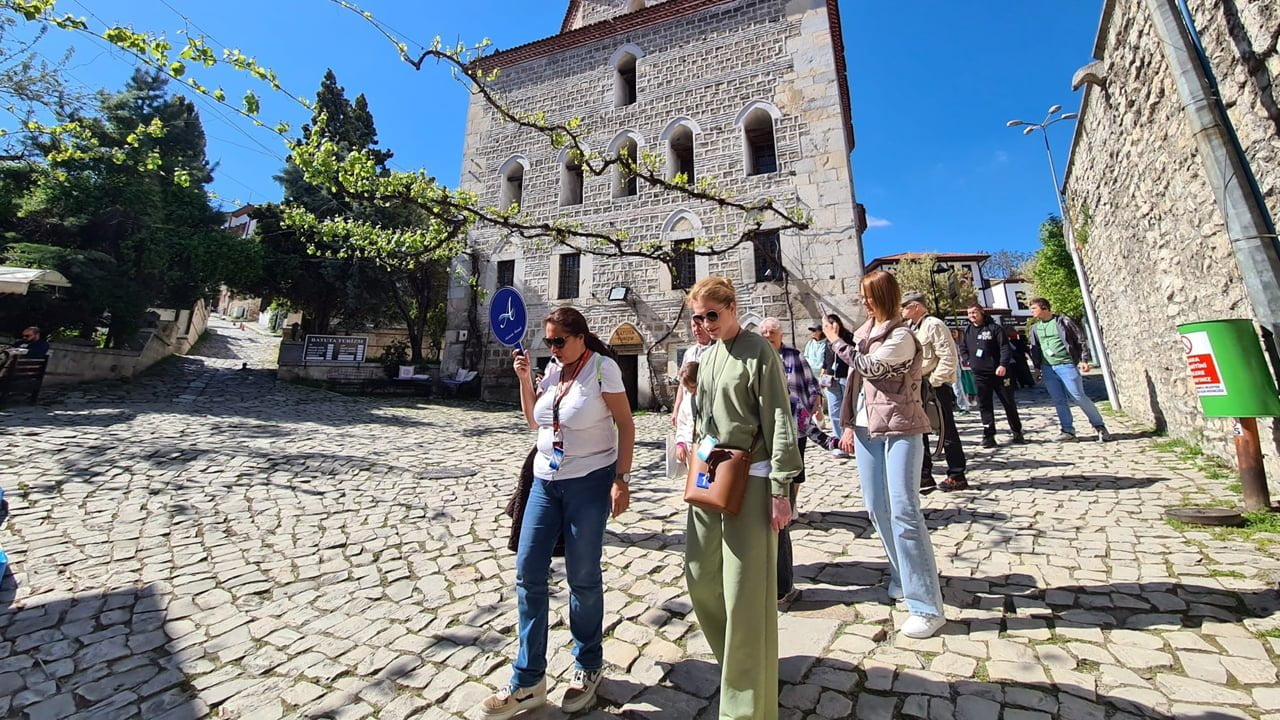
{"points": [[1228, 369]]}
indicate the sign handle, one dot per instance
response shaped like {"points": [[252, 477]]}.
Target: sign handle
{"points": [[519, 348]]}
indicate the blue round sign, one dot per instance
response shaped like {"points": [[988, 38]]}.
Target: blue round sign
{"points": [[507, 317]]}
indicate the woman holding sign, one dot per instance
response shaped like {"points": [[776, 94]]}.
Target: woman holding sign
{"points": [[581, 475], [731, 561]]}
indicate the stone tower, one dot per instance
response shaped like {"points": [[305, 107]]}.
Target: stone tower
{"points": [[750, 93]]}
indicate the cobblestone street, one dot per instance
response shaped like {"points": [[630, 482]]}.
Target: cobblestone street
{"points": [[209, 542]]}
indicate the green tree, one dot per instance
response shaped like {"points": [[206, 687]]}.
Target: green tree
{"points": [[317, 275], [1053, 274], [138, 208], [954, 289]]}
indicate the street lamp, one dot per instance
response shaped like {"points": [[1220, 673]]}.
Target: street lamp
{"points": [[1052, 117], [939, 268]]}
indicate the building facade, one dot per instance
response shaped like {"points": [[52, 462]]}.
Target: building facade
{"points": [[1157, 248], [750, 94]]}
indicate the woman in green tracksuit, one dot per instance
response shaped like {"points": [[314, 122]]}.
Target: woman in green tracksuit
{"points": [[731, 562]]}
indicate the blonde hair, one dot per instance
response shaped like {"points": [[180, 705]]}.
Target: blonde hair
{"points": [[715, 288], [882, 294]]}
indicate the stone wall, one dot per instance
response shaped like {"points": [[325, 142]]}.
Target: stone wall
{"points": [[1158, 253], [594, 11], [705, 67]]}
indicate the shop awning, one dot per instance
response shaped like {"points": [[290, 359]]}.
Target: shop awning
{"points": [[17, 281]]}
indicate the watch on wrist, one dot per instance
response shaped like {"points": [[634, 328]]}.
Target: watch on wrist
{"points": [[624, 478]]}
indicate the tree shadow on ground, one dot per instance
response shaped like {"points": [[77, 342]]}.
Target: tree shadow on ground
{"points": [[859, 522], [690, 689], [94, 654], [1071, 483]]}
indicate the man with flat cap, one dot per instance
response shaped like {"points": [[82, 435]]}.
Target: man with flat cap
{"points": [[941, 362]]}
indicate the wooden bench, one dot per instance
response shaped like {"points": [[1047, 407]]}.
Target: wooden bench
{"points": [[348, 380], [22, 376]]}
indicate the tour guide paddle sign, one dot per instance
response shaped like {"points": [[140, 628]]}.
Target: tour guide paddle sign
{"points": [[508, 318]]}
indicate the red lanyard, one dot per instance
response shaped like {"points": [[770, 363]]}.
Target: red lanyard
{"points": [[562, 389]]}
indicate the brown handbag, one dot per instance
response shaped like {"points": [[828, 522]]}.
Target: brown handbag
{"points": [[720, 483]]}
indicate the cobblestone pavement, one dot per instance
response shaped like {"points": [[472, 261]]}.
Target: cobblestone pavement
{"points": [[210, 542]]}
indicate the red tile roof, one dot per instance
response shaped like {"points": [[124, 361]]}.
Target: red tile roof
{"points": [[944, 257]]}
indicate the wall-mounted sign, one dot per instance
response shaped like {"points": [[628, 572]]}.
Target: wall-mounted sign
{"points": [[625, 335], [335, 348]]}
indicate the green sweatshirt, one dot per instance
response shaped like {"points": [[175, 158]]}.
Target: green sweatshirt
{"points": [[742, 391]]}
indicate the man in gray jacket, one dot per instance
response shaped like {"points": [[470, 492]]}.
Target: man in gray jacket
{"points": [[1060, 355]]}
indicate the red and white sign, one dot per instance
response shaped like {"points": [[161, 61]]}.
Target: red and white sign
{"points": [[1202, 364]]}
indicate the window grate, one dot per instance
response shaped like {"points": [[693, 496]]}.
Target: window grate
{"points": [[570, 265]]}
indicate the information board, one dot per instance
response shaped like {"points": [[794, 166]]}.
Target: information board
{"points": [[334, 348]]}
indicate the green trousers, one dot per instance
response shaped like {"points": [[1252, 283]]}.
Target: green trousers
{"points": [[731, 564]]}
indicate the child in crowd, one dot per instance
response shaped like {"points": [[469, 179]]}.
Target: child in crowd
{"points": [[684, 416]]}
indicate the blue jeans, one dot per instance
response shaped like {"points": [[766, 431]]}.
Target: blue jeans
{"points": [[835, 397], [1065, 384], [889, 469], [578, 507]]}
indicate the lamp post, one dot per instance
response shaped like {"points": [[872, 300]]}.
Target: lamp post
{"points": [[1054, 116], [939, 268]]}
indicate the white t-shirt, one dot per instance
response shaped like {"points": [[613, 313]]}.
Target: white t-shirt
{"points": [[586, 424]]}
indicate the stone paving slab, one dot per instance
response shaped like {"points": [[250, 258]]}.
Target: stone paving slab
{"points": [[208, 542]]}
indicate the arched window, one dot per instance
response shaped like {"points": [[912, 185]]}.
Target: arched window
{"points": [[571, 180], [626, 145], [760, 150], [679, 139], [681, 231], [624, 75], [511, 178]]}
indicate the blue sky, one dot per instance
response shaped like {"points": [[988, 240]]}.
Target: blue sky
{"points": [[933, 83]]}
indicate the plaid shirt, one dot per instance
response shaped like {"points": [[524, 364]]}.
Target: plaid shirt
{"points": [[802, 386]]}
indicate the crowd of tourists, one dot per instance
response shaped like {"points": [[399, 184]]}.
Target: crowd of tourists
{"points": [[746, 408]]}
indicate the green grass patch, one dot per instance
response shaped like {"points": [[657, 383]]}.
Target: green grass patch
{"points": [[1272, 633], [1225, 573], [640, 413], [1212, 467]]}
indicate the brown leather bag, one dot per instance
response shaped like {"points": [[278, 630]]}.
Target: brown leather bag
{"points": [[719, 483]]}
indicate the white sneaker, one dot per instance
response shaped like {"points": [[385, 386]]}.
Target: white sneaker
{"points": [[511, 700], [838, 453], [582, 690], [922, 626]]}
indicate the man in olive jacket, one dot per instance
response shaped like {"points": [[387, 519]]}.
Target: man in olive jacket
{"points": [[986, 350]]}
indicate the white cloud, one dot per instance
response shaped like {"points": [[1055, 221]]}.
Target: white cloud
{"points": [[873, 222]]}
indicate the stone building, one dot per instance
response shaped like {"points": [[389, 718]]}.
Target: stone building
{"points": [[1157, 251], [749, 93]]}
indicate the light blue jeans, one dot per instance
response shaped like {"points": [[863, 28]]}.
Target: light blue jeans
{"points": [[1065, 386], [835, 397], [579, 508], [889, 469]]}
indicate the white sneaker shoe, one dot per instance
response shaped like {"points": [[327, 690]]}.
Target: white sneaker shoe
{"points": [[511, 700], [922, 626], [838, 453], [582, 690]]}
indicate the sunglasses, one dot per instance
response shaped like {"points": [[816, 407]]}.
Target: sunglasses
{"points": [[555, 342], [711, 317]]}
